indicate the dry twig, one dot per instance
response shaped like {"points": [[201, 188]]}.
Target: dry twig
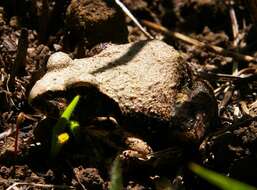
{"points": [[11, 130], [19, 63], [234, 126], [44, 186], [6, 133], [234, 25], [19, 121], [228, 94], [235, 31], [191, 41], [130, 15]]}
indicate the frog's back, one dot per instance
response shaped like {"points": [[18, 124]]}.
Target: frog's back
{"points": [[143, 79]]}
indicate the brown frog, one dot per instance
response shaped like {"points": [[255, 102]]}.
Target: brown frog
{"points": [[145, 87]]}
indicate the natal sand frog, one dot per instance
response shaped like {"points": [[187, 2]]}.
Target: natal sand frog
{"points": [[145, 86]]}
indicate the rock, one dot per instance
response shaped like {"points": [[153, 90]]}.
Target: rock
{"points": [[96, 21]]}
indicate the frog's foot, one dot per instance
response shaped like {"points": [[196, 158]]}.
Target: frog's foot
{"points": [[137, 149], [143, 159]]}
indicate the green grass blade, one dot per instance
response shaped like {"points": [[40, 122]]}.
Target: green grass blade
{"points": [[74, 126], [59, 128], [219, 180], [116, 175], [70, 108]]}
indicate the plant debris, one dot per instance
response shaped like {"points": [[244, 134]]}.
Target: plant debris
{"points": [[31, 31]]}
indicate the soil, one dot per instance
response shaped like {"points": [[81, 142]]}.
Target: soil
{"points": [[39, 28]]}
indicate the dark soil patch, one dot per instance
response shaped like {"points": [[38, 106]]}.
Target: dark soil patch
{"points": [[231, 147]]}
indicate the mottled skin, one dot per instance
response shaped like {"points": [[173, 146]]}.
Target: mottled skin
{"points": [[146, 86]]}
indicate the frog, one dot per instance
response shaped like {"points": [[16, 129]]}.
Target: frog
{"points": [[146, 89]]}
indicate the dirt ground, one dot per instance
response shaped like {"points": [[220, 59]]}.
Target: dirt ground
{"points": [[43, 27]]}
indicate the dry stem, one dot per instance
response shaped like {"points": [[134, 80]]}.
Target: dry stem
{"points": [[191, 41], [129, 14]]}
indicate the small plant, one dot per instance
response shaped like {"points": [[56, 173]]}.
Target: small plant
{"points": [[116, 175], [219, 180], [60, 136]]}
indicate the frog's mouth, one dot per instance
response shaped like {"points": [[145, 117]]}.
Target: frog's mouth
{"points": [[92, 103], [50, 103]]}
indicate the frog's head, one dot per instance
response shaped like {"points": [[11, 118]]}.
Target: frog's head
{"points": [[58, 86]]}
